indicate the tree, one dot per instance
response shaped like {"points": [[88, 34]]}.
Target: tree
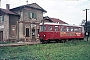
{"points": [[83, 23]]}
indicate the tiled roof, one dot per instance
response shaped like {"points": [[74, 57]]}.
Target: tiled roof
{"points": [[7, 11], [58, 20], [47, 18], [55, 20], [33, 5]]}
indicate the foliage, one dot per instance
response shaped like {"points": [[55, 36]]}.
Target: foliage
{"points": [[72, 50], [88, 26], [5, 42]]}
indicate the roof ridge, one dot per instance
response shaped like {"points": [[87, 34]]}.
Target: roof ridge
{"points": [[29, 5]]}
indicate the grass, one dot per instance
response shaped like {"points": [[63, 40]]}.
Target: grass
{"points": [[72, 50]]}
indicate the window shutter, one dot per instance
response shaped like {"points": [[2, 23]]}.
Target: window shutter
{"points": [[35, 16], [2, 18], [29, 14]]}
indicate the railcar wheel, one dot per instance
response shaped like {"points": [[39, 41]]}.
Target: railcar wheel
{"points": [[67, 40], [41, 40], [48, 41], [82, 39], [57, 41], [62, 41]]}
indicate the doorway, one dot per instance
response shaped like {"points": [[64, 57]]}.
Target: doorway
{"points": [[1, 36], [27, 32], [33, 33]]}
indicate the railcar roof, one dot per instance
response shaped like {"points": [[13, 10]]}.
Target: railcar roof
{"points": [[47, 23]]}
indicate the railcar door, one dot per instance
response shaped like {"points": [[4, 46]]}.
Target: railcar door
{"points": [[50, 32], [56, 32], [42, 31]]}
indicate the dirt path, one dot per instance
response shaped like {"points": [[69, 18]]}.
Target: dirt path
{"points": [[19, 44]]}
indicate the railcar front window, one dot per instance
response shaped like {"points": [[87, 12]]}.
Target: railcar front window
{"points": [[79, 29], [75, 29], [42, 28]]}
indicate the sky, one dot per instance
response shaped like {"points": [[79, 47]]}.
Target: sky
{"points": [[69, 11]]}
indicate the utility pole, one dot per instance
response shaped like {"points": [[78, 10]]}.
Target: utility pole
{"points": [[86, 24], [27, 2], [0, 3]]}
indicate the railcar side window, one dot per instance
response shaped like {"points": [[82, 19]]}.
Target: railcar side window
{"points": [[42, 28], [56, 28], [67, 29], [71, 29], [61, 28], [50, 28]]}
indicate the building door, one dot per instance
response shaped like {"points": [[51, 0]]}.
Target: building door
{"points": [[33, 33], [1, 35], [27, 32]]}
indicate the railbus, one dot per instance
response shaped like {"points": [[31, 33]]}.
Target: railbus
{"points": [[60, 32]]}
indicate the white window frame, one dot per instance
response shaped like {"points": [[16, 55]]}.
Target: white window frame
{"points": [[34, 17]]}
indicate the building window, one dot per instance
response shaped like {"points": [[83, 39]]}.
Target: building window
{"points": [[1, 18], [2, 26], [32, 15], [13, 30]]}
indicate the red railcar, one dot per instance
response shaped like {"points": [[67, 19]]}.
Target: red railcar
{"points": [[59, 32]]}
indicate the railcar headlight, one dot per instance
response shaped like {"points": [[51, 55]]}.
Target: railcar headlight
{"points": [[44, 35]]}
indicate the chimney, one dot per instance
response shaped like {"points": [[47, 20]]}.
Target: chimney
{"points": [[7, 6]]}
